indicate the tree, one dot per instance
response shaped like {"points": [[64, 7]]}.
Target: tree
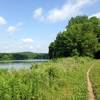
{"points": [[52, 50], [81, 38]]}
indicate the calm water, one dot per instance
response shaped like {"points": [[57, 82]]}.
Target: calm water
{"points": [[19, 64]]}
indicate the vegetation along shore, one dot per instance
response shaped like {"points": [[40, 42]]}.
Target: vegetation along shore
{"points": [[72, 72]]}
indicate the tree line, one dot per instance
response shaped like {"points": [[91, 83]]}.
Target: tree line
{"points": [[81, 37], [23, 56]]}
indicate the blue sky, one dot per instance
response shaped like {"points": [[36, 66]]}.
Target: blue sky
{"points": [[30, 25]]}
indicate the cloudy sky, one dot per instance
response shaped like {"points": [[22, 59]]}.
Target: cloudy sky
{"points": [[30, 25]]}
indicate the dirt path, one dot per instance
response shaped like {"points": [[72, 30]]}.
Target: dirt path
{"points": [[89, 86]]}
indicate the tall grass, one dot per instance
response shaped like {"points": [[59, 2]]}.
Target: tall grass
{"points": [[61, 79], [95, 78]]}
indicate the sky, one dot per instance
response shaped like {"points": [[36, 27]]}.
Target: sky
{"points": [[31, 25]]}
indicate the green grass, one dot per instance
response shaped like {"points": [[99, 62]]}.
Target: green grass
{"points": [[61, 79], [95, 78]]}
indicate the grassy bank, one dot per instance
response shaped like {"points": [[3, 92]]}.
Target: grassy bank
{"points": [[95, 78], [61, 79]]}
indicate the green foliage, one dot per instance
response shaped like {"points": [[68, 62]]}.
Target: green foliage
{"points": [[61, 79], [95, 77], [6, 57], [23, 56], [81, 38]]}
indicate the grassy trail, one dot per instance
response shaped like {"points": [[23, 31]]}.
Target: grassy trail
{"points": [[61, 79], [89, 86]]}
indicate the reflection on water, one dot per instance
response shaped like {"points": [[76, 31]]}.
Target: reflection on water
{"points": [[19, 64]]}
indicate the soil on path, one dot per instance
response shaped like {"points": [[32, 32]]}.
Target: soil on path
{"points": [[89, 86]]}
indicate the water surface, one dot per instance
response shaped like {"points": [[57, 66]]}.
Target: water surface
{"points": [[19, 64]]}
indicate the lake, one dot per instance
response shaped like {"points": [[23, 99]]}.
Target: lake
{"points": [[19, 64]]}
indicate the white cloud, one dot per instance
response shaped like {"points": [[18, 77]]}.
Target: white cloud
{"points": [[25, 45], [63, 13], [69, 9], [12, 29], [96, 15], [2, 21], [38, 13], [29, 44], [27, 40]]}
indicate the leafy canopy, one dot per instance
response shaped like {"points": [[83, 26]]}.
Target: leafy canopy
{"points": [[81, 37]]}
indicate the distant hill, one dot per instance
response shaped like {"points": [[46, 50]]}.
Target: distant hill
{"points": [[23, 56]]}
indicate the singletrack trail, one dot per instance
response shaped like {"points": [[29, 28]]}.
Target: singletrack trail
{"points": [[89, 86]]}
